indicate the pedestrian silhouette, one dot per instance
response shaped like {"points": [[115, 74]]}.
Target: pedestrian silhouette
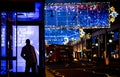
{"points": [[28, 54]]}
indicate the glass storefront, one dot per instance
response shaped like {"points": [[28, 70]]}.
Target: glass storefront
{"points": [[14, 34]]}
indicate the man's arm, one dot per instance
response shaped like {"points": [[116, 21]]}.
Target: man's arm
{"points": [[23, 55]]}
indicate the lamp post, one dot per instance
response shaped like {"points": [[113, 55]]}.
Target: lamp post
{"points": [[110, 48], [82, 34]]}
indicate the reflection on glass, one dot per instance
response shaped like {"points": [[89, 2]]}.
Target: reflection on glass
{"points": [[3, 41]]}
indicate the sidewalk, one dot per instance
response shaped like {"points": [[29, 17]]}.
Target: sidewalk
{"points": [[52, 73], [48, 73]]}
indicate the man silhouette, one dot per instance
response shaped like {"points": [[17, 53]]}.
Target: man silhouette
{"points": [[28, 54]]}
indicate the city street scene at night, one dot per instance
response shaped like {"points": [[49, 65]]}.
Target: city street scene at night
{"points": [[60, 38]]}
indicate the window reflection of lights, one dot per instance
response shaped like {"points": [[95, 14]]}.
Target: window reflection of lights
{"points": [[21, 15], [30, 14]]}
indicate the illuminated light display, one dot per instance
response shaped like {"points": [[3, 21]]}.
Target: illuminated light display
{"points": [[112, 19], [113, 14], [112, 8], [66, 40], [60, 36], [64, 19], [77, 14], [82, 33]]}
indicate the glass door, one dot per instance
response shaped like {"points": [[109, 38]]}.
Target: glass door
{"points": [[23, 32], [7, 59], [27, 28], [15, 28]]}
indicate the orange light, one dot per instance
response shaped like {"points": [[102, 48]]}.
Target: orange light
{"points": [[107, 61]]}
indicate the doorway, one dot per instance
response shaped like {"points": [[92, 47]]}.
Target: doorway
{"points": [[15, 28]]}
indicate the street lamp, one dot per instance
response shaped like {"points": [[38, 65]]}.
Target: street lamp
{"points": [[110, 40], [96, 44]]}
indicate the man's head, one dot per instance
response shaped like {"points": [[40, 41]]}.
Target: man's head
{"points": [[28, 41]]}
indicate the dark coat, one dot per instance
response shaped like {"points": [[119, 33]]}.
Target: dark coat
{"points": [[28, 53]]}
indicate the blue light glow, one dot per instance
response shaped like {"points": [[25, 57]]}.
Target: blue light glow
{"points": [[64, 19], [31, 16], [23, 33], [3, 67], [3, 41], [57, 36], [82, 14], [116, 35], [3, 50]]}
